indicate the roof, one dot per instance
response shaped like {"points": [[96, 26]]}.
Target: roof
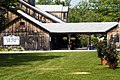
{"points": [[93, 27], [28, 17], [41, 11], [53, 8]]}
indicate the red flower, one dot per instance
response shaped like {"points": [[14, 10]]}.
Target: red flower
{"points": [[109, 51], [98, 42]]}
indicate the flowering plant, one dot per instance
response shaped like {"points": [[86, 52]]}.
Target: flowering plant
{"points": [[101, 48], [112, 53], [108, 52]]}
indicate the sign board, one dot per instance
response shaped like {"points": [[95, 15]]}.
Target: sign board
{"points": [[11, 40]]}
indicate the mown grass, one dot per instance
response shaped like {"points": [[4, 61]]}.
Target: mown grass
{"points": [[55, 66]]}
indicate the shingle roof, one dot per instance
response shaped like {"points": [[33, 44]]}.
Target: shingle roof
{"points": [[53, 8]]}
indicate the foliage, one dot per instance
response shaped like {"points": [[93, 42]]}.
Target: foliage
{"points": [[101, 48], [1, 48], [94, 41], [9, 4], [44, 2], [11, 48], [95, 11], [6, 5], [112, 54], [84, 40], [55, 2], [108, 52], [3, 20], [109, 9]]}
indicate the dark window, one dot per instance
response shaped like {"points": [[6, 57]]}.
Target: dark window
{"points": [[117, 37], [22, 23]]}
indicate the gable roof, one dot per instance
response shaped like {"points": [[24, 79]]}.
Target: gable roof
{"points": [[93, 27], [53, 8], [42, 12], [89, 27]]}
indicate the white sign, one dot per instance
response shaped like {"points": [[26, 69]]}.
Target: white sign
{"points": [[11, 40]]}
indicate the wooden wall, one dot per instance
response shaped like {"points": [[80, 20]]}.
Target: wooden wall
{"points": [[36, 14], [62, 15], [32, 37]]}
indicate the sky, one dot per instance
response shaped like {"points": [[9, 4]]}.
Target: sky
{"points": [[74, 2]]}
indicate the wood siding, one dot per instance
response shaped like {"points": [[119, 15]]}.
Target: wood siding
{"points": [[32, 37], [61, 15], [37, 15]]}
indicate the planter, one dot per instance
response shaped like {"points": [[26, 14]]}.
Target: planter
{"points": [[113, 65], [104, 61]]}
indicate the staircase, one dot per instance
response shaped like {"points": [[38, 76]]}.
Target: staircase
{"points": [[38, 14]]}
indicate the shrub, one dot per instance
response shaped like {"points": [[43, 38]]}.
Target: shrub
{"points": [[108, 52]]}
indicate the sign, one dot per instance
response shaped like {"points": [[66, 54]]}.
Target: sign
{"points": [[11, 40]]}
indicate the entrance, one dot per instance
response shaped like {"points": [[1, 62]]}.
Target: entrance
{"points": [[68, 42]]}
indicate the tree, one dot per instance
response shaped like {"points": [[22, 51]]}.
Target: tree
{"points": [[44, 2], [83, 12], [109, 9], [95, 11], [4, 6], [54, 2]]}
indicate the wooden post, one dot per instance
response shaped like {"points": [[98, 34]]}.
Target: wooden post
{"points": [[69, 42], [89, 41]]}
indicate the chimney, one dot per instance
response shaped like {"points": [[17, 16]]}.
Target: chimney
{"points": [[31, 2]]}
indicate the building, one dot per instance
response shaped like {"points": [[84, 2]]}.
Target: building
{"points": [[59, 11], [39, 28]]}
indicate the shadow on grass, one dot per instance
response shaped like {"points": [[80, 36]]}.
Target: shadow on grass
{"points": [[21, 58]]}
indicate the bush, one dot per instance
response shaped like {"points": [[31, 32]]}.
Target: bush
{"points": [[108, 52]]}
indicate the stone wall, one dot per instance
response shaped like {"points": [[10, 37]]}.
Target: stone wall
{"points": [[115, 34]]}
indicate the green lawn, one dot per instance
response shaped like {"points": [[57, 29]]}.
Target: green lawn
{"points": [[55, 66]]}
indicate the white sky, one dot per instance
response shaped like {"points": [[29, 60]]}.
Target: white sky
{"points": [[74, 2]]}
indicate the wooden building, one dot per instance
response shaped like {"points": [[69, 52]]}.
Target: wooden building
{"points": [[59, 11], [41, 30]]}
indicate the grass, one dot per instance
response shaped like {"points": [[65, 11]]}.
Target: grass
{"points": [[55, 66]]}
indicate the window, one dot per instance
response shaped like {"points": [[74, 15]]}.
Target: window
{"points": [[117, 37], [22, 27]]}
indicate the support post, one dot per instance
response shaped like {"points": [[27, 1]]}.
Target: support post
{"points": [[89, 41], [69, 42]]}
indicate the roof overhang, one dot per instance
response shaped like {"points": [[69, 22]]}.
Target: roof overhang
{"points": [[87, 27]]}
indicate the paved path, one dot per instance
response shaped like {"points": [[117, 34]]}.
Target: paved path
{"points": [[49, 51], [46, 51]]}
